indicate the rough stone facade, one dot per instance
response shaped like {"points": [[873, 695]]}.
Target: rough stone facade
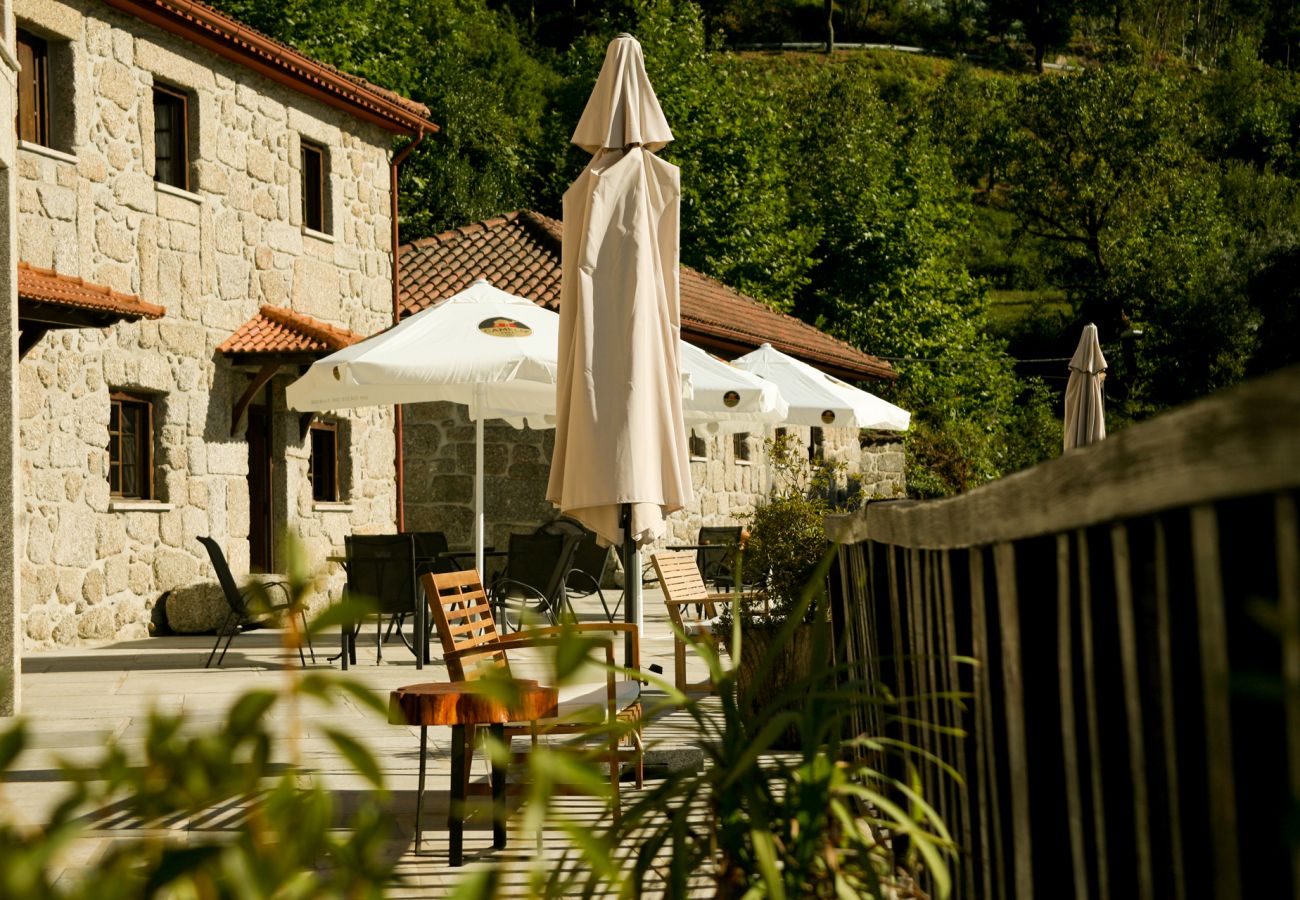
{"points": [[439, 457], [93, 566], [10, 501]]}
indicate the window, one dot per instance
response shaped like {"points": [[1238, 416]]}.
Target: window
{"points": [[130, 446], [697, 447], [314, 193], [323, 466], [740, 445], [816, 450], [171, 144], [33, 89]]}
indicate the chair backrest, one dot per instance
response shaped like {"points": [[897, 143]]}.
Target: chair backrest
{"points": [[585, 555], [540, 561], [463, 616], [429, 545], [716, 559], [382, 568], [224, 578], [680, 581]]}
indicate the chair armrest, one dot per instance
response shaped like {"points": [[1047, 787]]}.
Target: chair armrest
{"points": [[551, 632]]}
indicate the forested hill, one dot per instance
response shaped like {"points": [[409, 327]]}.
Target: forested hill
{"points": [[959, 219]]}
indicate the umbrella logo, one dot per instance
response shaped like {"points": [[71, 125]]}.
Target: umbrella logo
{"points": [[828, 416], [730, 399], [500, 326]]}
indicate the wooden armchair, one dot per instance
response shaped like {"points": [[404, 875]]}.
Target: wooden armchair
{"points": [[683, 587], [473, 646]]}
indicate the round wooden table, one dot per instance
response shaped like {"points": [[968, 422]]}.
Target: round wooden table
{"points": [[473, 704]]}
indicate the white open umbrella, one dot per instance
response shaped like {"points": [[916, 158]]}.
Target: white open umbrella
{"points": [[483, 347], [1085, 418], [620, 463], [725, 398], [822, 400]]}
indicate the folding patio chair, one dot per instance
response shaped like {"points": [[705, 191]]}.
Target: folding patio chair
{"points": [[239, 616], [472, 646], [682, 587]]}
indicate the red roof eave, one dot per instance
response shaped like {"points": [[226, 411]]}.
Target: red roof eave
{"points": [[214, 31], [48, 286]]}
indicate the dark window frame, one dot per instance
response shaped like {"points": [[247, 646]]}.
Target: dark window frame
{"points": [[32, 109], [315, 187], [178, 143], [740, 446], [325, 486], [696, 447], [816, 444], [141, 486]]}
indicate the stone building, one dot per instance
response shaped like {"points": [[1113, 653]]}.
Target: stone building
{"points": [[200, 212], [10, 500], [520, 253]]}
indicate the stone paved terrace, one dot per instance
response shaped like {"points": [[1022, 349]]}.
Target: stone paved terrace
{"points": [[77, 700]]}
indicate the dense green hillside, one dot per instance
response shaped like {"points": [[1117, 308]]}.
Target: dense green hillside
{"points": [[954, 218]]}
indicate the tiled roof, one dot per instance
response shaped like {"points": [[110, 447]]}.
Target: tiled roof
{"points": [[218, 32], [276, 330], [48, 286], [520, 253]]}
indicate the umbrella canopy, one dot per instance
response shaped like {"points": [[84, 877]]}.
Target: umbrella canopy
{"points": [[490, 350], [487, 349], [724, 398], [1085, 419], [822, 400], [620, 444]]}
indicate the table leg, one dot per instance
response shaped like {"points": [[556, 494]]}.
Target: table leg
{"points": [[345, 647], [456, 809], [498, 732], [420, 632], [419, 791]]}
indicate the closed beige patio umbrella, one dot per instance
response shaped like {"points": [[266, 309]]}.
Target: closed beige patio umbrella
{"points": [[1085, 418], [620, 462]]}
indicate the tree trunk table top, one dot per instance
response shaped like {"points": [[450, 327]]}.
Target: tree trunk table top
{"points": [[471, 703]]}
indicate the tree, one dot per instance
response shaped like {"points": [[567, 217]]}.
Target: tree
{"points": [[1047, 24]]}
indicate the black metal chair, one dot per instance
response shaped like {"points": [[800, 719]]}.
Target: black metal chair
{"points": [[716, 555], [587, 565], [240, 616], [382, 568], [532, 582], [430, 556]]}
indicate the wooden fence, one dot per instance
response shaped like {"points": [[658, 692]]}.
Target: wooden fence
{"points": [[1126, 623]]}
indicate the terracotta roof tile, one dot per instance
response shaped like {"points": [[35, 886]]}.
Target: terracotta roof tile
{"points": [[47, 286], [520, 253], [276, 330]]}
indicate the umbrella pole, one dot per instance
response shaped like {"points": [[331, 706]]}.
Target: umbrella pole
{"points": [[478, 481], [631, 582]]}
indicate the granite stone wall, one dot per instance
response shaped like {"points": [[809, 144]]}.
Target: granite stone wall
{"points": [[439, 455], [92, 565]]}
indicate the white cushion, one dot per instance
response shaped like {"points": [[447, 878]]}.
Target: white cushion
{"points": [[590, 701]]}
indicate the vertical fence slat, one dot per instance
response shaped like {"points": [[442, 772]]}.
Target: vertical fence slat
{"points": [[1094, 723], [1004, 565], [1069, 727], [1133, 707], [1218, 707], [1288, 582], [990, 862], [960, 790], [1164, 628], [899, 654]]}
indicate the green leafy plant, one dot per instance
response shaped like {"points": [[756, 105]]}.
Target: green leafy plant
{"points": [[291, 839], [826, 820]]}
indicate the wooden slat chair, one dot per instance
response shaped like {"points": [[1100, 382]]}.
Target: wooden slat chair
{"points": [[683, 587], [472, 647]]}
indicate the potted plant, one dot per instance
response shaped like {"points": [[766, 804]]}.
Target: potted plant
{"points": [[783, 562]]}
